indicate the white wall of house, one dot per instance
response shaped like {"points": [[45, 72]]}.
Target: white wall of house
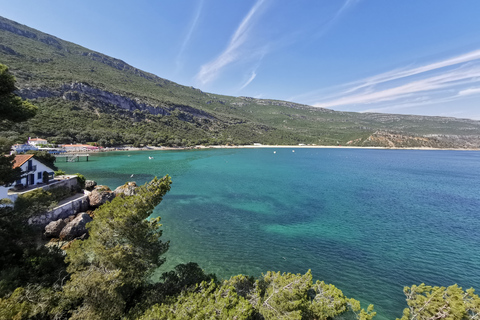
{"points": [[33, 172], [36, 142], [33, 175]]}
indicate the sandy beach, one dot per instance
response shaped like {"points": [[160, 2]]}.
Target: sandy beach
{"points": [[152, 148]]}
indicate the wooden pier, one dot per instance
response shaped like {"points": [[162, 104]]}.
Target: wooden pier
{"points": [[72, 157]]}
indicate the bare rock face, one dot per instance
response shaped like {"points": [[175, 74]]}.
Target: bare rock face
{"points": [[75, 228], [128, 189], [53, 229], [90, 185], [100, 195]]}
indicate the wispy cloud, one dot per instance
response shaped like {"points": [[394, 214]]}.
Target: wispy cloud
{"points": [[330, 22], [232, 53], [469, 91], [252, 76], [186, 40], [436, 82]]}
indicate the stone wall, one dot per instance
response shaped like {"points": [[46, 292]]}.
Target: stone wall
{"points": [[74, 206], [62, 181]]}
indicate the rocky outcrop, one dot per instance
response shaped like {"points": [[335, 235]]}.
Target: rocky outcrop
{"points": [[75, 228], [128, 189], [76, 90], [8, 50], [90, 185], [100, 195], [402, 140], [53, 229], [49, 40]]}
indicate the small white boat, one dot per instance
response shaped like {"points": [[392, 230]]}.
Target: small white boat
{"points": [[150, 158]]}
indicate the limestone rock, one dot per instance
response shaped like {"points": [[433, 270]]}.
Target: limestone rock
{"points": [[128, 189], [90, 184], [53, 229], [75, 228], [100, 195]]}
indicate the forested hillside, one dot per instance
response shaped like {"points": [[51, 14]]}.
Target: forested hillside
{"points": [[85, 96]]}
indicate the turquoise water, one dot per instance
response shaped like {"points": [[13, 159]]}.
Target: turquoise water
{"points": [[368, 221]]}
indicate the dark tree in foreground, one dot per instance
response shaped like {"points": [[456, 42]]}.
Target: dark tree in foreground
{"points": [[14, 109], [118, 258]]}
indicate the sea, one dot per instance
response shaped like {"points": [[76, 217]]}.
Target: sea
{"points": [[369, 221]]}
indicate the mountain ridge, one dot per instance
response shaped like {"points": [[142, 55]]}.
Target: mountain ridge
{"points": [[121, 104]]}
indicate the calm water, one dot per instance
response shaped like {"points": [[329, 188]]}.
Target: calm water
{"points": [[368, 221]]}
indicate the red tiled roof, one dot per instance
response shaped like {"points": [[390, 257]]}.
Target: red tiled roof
{"points": [[21, 159], [37, 139]]}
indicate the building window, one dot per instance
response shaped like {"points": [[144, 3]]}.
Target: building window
{"points": [[39, 175]]}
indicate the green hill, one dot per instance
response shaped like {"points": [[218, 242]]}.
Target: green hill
{"points": [[84, 96]]}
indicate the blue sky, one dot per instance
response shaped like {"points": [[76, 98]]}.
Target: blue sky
{"points": [[410, 57]]}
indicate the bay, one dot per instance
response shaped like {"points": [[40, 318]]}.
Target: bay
{"points": [[368, 221]]}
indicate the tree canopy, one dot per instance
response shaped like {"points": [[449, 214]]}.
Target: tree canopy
{"points": [[13, 109]]}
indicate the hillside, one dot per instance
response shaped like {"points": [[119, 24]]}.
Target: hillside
{"points": [[85, 96]]}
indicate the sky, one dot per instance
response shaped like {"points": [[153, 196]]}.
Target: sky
{"points": [[392, 56]]}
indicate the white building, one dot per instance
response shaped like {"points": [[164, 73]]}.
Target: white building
{"points": [[78, 147], [36, 141], [33, 171]]}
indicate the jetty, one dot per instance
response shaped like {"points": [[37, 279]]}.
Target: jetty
{"points": [[73, 157]]}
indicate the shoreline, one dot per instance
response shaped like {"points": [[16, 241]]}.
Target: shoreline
{"points": [[201, 147]]}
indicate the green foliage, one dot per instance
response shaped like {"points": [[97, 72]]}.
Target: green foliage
{"points": [[39, 201], [274, 296], [184, 277], [122, 251], [7, 173], [35, 202], [283, 296], [22, 261], [207, 301], [294, 296], [12, 107], [427, 302], [45, 177], [81, 180], [59, 173], [31, 302]]}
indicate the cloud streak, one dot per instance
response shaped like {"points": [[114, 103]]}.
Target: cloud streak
{"points": [[186, 40], [436, 82], [252, 76], [469, 91], [232, 53]]}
